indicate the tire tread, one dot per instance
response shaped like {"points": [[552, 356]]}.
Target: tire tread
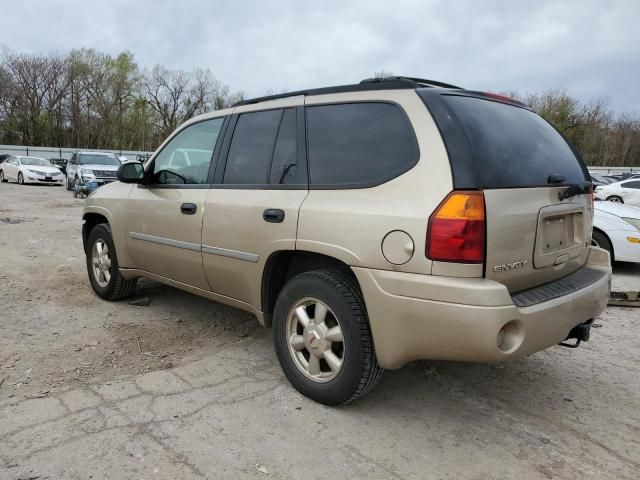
{"points": [[349, 289], [123, 288]]}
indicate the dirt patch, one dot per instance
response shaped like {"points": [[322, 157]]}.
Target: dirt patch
{"points": [[52, 323]]}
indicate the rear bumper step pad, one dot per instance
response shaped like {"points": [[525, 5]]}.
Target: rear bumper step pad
{"points": [[571, 283]]}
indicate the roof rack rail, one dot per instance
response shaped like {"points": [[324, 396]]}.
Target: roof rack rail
{"points": [[388, 83], [420, 82]]}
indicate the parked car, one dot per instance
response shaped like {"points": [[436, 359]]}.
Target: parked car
{"points": [[626, 191], [96, 167], [370, 224], [616, 228], [30, 170], [61, 163], [599, 180]]}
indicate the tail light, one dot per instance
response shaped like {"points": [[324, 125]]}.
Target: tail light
{"points": [[456, 231]]}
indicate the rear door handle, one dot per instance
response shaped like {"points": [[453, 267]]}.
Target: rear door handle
{"points": [[188, 208], [273, 215]]}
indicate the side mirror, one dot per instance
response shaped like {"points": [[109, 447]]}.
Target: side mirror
{"points": [[131, 172]]}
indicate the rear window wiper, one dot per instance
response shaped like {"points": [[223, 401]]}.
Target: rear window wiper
{"points": [[576, 189], [573, 190]]}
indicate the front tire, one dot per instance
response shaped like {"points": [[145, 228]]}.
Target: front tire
{"points": [[20, 179], [2, 179], [323, 339], [68, 185], [615, 199], [102, 266]]}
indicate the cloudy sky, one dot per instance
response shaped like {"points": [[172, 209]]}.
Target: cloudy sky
{"points": [[589, 48]]}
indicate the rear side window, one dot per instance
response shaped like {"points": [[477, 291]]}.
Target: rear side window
{"points": [[284, 168], [507, 146], [358, 144], [252, 147]]}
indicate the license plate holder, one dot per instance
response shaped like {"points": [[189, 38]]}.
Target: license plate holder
{"points": [[560, 236]]}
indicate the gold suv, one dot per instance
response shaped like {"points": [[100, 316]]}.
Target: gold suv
{"points": [[370, 224]]}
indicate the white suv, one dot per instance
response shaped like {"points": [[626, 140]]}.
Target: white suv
{"points": [[99, 167]]}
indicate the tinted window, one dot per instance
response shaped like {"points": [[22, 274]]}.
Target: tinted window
{"points": [[284, 168], [358, 143], [187, 157], [510, 146], [252, 147], [631, 185]]}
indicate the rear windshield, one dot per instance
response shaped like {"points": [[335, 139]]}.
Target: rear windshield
{"points": [[506, 146]]}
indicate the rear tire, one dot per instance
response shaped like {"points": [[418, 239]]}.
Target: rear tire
{"points": [[2, 179], [615, 199], [102, 266], [599, 239], [344, 361], [68, 185]]}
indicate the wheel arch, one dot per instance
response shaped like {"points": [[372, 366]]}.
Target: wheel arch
{"points": [[89, 220], [613, 250], [283, 265]]}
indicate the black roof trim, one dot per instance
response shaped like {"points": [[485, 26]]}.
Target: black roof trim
{"points": [[419, 82], [388, 83]]}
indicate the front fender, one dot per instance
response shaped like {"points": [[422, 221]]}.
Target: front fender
{"points": [[109, 201]]}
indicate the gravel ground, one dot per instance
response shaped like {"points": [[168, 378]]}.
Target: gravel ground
{"points": [[557, 414]]}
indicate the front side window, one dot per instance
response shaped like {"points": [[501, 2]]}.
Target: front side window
{"points": [[358, 144], [187, 157], [634, 184], [252, 148]]}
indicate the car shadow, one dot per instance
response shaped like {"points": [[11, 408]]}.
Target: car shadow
{"points": [[626, 268]]}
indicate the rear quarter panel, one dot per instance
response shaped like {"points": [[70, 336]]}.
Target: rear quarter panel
{"points": [[350, 224]]}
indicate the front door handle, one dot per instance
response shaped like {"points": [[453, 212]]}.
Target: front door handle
{"points": [[188, 208], [273, 215]]}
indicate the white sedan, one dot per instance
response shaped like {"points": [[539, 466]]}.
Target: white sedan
{"points": [[626, 191], [30, 170], [616, 228]]}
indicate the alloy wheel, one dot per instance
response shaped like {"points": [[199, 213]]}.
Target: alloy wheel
{"points": [[101, 262], [315, 340]]}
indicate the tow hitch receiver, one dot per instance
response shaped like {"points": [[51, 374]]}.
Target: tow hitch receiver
{"points": [[580, 333]]}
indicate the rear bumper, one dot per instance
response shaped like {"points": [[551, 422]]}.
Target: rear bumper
{"points": [[470, 319]]}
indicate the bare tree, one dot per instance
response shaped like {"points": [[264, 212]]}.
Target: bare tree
{"points": [[39, 85]]}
